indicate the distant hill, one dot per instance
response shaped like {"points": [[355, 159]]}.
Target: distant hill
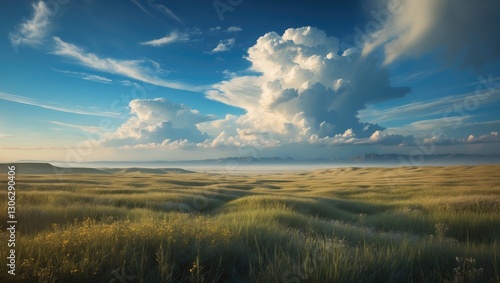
{"points": [[47, 168], [161, 167], [148, 170]]}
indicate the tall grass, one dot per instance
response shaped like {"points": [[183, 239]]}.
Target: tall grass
{"points": [[392, 225]]}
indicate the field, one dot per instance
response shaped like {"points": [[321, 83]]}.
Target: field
{"points": [[407, 224]]}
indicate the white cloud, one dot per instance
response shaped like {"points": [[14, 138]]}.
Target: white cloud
{"points": [[133, 69], [304, 89], [166, 11], [158, 7], [142, 7], [448, 105], [234, 29], [32, 32], [231, 29], [34, 102], [215, 29], [491, 137], [223, 46], [90, 129], [471, 139], [158, 122], [448, 130], [349, 138], [216, 127], [5, 136], [228, 74], [86, 76], [173, 37], [465, 31]]}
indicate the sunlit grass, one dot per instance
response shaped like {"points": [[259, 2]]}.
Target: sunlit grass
{"points": [[432, 224]]}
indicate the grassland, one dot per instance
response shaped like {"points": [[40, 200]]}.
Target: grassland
{"points": [[409, 224]]}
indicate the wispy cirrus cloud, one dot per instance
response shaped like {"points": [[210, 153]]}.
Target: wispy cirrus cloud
{"points": [[134, 69], [447, 128], [465, 32], [142, 7], [166, 11], [173, 37], [32, 32], [158, 7], [34, 102], [86, 76], [447, 105], [90, 129]]}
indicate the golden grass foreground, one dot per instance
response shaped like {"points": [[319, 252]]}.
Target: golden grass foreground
{"points": [[407, 224]]}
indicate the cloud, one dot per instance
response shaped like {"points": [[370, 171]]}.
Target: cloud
{"points": [[223, 46], [158, 7], [32, 32], [448, 105], [215, 29], [228, 30], [349, 138], [142, 7], [304, 89], [428, 126], [446, 128], [491, 137], [34, 102], [166, 11], [158, 121], [234, 29], [133, 69], [86, 76], [173, 37], [90, 129], [5, 136], [464, 32]]}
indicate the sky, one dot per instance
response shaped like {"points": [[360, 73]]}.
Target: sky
{"points": [[152, 80]]}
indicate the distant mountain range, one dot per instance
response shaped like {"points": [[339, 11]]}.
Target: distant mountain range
{"points": [[365, 158]]}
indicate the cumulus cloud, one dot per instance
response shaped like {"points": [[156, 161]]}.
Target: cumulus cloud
{"points": [[173, 37], [491, 137], [158, 121], [465, 31], [32, 32], [223, 46], [349, 138], [443, 140], [304, 90]]}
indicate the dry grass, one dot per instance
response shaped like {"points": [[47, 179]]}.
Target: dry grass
{"points": [[427, 224]]}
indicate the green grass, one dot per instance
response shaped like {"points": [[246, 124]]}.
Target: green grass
{"points": [[432, 224]]}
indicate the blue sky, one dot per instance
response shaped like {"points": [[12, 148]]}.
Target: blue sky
{"points": [[175, 80]]}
